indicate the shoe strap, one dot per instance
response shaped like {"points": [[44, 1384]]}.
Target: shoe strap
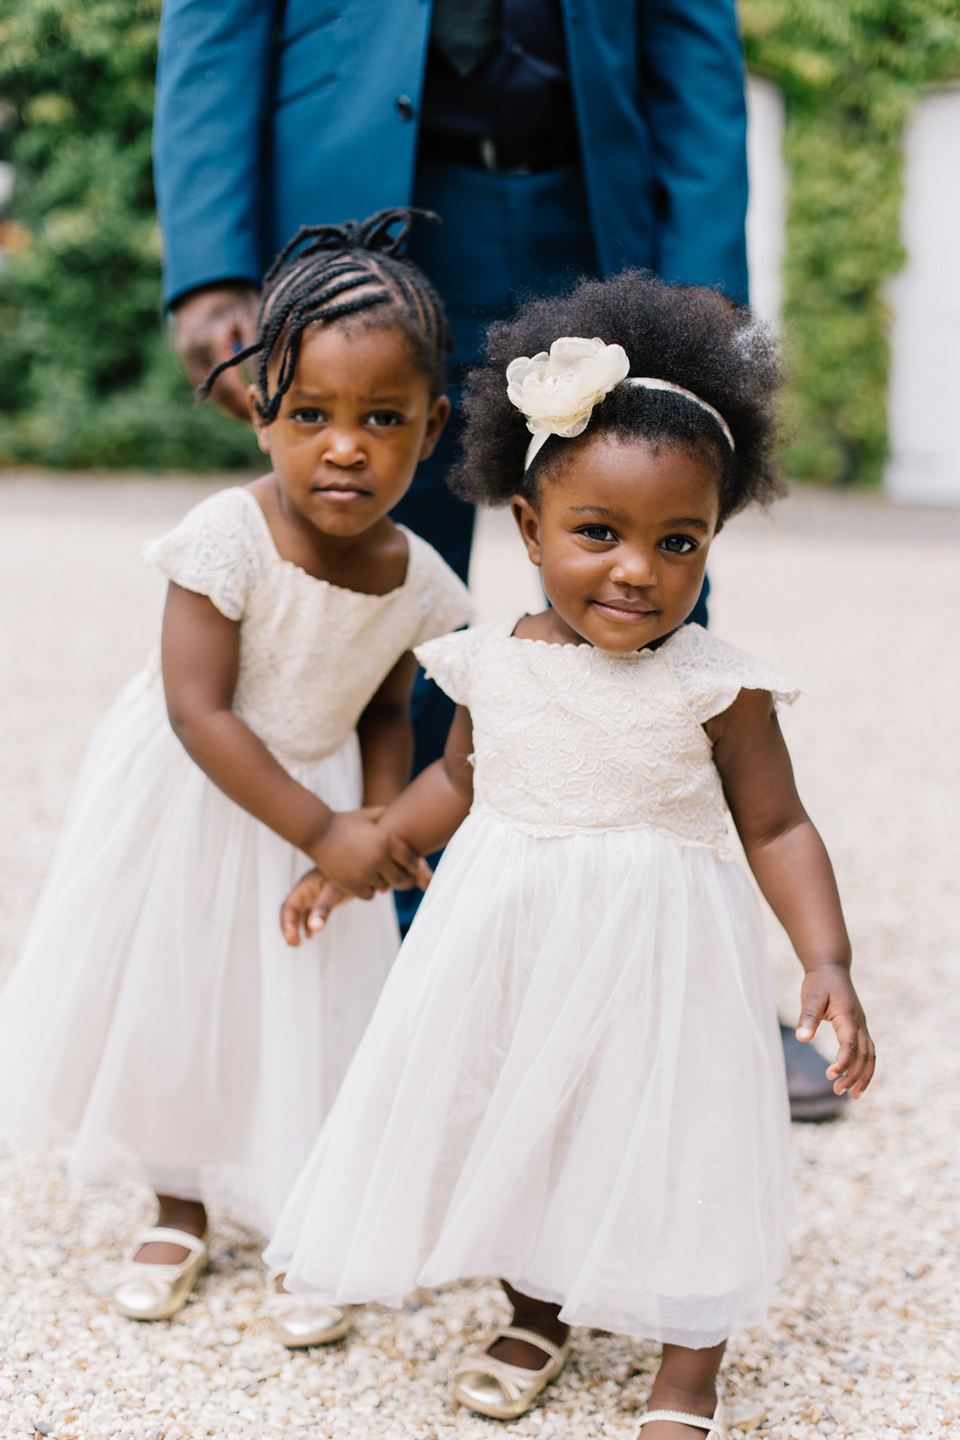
{"points": [[283, 1302], [169, 1236], [515, 1380], [712, 1424], [512, 1379], [557, 1353]]}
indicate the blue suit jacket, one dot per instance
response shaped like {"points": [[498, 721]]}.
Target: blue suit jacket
{"points": [[273, 115]]}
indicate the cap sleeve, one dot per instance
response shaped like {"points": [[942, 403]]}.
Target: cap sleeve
{"points": [[217, 550], [451, 661], [443, 600], [711, 673]]}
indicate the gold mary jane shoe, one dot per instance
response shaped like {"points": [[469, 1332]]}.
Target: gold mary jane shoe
{"points": [[492, 1387], [155, 1292], [713, 1426], [302, 1320]]}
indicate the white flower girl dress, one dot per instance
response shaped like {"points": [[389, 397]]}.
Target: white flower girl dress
{"points": [[573, 1078], [156, 1018]]}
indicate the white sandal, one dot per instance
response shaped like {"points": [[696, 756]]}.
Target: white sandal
{"points": [[155, 1292], [715, 1425], [492, 1387], [301, 1320]]}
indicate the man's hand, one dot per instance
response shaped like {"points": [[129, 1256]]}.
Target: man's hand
{"points": [[210, 325]]}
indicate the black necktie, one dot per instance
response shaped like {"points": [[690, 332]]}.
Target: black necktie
{"points": [[466, 31]]}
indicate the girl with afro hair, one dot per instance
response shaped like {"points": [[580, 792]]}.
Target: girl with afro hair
{"points": [[574, 1078]]}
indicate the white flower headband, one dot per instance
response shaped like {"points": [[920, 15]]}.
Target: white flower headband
{"points": [[557, 392]]}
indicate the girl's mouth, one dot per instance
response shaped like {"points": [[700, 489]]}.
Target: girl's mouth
{"points": [[624, 610], [342, 492]]}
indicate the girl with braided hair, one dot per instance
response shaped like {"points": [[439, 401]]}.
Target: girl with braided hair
{"points": [[574, 1078], [156, 1017]]}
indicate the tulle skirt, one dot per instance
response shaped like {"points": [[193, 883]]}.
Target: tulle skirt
{"points": [[573, 1080], [156, 1018]]}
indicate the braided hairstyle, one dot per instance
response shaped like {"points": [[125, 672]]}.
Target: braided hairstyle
{"points": [[330, 273], [686, 334]]}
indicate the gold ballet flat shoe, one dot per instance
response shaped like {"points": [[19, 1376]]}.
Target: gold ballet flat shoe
{"points": [[155, 1292], [492, 1387], [713, 1426], [302, 1320]]}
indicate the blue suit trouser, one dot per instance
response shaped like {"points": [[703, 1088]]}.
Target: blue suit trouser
{"points": [[504, 239]]}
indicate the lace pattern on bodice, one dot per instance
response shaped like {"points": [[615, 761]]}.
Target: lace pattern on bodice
{"points": [[569, 738], [312, 654]]}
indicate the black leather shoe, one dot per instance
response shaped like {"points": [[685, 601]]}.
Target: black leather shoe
{"points": [[811, 1093]]}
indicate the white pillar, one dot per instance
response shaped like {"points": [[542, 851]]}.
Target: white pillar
{"points": [[924, 397], [767, 209]]}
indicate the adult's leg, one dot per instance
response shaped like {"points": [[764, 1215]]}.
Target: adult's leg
{"points": [[504, 237]]}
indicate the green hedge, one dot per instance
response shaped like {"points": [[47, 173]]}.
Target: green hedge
{"points": [[87, 376], [850, 72]]}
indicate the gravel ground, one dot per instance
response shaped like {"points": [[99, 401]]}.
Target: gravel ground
{"points": [[856, 599]]}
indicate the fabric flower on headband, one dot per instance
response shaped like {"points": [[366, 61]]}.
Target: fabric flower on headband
{"points": [[557, 392]]}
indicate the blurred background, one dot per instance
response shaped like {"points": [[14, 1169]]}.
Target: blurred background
{"points": [[854, 234]]}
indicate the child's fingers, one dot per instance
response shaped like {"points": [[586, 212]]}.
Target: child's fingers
{"points": [[868, 1072], [391, 877], [330, 897], [424, 873], [855, 1057], [811, 1014], [402, 861], [290, 917], [298, 904], [869, 1052]]}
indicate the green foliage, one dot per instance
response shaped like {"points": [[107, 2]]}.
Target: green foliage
{"points": [[850, 74], [87, 375]]}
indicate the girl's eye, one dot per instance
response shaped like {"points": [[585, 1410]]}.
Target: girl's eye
{"points": [[600, 533], [678, 545], [385, 417], [306, 415]]}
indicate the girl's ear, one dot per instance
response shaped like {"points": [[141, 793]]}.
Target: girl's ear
{"points": [[528, 523], [262, 431], [438, 417]]}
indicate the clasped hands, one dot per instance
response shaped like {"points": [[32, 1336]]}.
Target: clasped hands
{"points": [[355, 856]]}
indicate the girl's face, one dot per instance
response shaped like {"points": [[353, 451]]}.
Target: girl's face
{"points": [[621, 538], [352, 427]]}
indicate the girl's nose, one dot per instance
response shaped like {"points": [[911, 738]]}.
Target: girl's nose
{"points": [[344, 448], [634, 567]]}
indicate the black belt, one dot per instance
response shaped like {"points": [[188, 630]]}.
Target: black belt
{"points": [[501, 154]]}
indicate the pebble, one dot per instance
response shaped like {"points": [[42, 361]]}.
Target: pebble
{"points": [[849, 594]]}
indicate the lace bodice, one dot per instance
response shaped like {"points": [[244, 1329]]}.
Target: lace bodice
{"points": [[311, 654], [570, 738]]}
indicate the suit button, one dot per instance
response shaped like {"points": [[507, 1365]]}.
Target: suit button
{"points": [[405, 107]]}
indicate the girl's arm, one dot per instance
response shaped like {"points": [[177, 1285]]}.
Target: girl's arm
{"points": [[423, 818], [428, 812], [386, 735], [794, 873], [200, 651]]}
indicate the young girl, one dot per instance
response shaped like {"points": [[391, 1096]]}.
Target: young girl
{"points": [[574, 1079], [156, 1015]]}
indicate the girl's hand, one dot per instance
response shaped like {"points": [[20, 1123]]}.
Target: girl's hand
{"points": [[397, 849], [827, 994], [308, 906], [361, 858]]}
